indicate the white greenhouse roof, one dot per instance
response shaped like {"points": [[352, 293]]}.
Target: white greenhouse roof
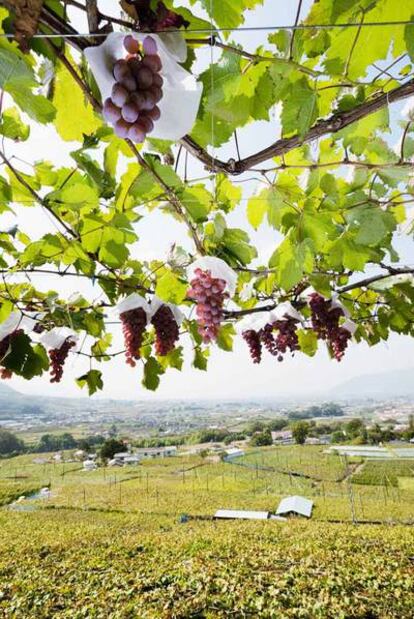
{"points": [[234, 451], [297, 504], [239, 514]]}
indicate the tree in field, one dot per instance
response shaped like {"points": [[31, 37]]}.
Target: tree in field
{"points": [[261, 439], [354, 428], [140, 134], [10, 443], [110, 448], [300, 431]]}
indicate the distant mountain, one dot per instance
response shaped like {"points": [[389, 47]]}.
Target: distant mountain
{"points": [[382, 385], [8, 392]]}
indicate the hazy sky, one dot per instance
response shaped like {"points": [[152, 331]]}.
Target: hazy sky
{"points": [[229, 374]]}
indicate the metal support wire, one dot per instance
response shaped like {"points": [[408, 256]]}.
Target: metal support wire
{"points": [[293, 27]]}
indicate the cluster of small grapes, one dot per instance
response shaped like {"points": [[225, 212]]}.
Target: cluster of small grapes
{"points": [[58, 357], [209, 294], [166, 330], [325, 322], [254, 343], [285, 339], [134, 322], [4, 347], [132, 108]]}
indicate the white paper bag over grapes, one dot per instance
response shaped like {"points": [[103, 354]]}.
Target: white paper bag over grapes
{"points": [[161, 99]]}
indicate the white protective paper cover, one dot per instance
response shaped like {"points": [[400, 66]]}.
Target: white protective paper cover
{"points": [[182, 92], [156, 303], [16, 321], [57, 336], [218, 269], [132, 301]]}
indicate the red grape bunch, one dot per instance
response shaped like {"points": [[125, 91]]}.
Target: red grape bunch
{"points": [[252, 338], [208, 292], [166, 330], [325, 322], [285, 339], [134, 322], [132, 107], [58, 357]]}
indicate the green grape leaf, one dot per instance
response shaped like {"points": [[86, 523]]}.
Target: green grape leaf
{"points": [[92, 380]]}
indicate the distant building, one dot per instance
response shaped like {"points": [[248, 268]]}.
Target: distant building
{"points": [[89, 465], [295, 506], [156, 452], [282, 437], [121, 455]]}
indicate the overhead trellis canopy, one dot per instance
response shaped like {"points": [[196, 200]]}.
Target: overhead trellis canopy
{"points": [[304, 129]]}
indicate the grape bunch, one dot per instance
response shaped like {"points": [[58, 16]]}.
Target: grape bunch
{"points": [[285, 339], [132, 107], [325, 323], [208, 292], [58, 357], [134, 322], [252, 339], [166, 330]]}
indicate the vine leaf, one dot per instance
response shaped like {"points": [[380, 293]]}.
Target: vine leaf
{"points": [[92, 380]]}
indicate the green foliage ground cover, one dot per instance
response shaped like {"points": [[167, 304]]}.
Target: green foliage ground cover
{"points": [[76, 564], [384, 472], [109, 544], [310, 461]]}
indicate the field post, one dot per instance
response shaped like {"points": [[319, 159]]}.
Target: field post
{"points": [[361, 504], [350, 491], [183, 475], [84, 497], [147, 483], [120, 493]]}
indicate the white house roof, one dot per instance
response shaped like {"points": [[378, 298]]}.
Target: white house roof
{"points": [[122, 454], [241, 515], [234, 451], [297, 504]]}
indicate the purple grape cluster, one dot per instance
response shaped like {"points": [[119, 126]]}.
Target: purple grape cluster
{"points": [[166, 330], [277, 343], [325, 323], [134, 322], [254, 343], [208, 292], [132, 107], [57, 358]]}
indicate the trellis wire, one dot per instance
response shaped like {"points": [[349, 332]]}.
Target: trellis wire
{"points": [[240, 29]]}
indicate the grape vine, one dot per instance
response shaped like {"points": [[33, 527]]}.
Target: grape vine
{"points": [[150, 112]]}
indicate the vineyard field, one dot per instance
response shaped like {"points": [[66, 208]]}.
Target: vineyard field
{"points": [[112, 543]]}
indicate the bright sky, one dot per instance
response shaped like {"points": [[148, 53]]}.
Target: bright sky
{"points": [[230, 374]]}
